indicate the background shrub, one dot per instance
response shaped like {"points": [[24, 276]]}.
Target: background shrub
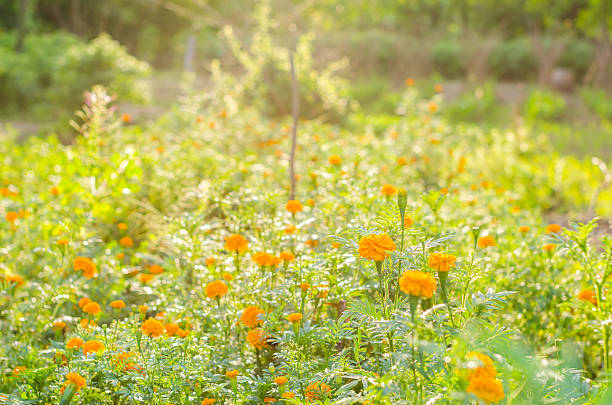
{"points": [[513, 59], [577, 56], [446, 58]]}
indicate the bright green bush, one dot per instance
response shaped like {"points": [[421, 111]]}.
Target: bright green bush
{"points": [[544, 105], [513, 59]]}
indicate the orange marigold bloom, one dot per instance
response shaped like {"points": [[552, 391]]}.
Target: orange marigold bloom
{"points": [[549, 247], [232, 374], [122, 226], [432, 107], [59, 325], [294, 206], [257, 338], [261, 258], [126, 241], [74, 343], [438, 88], [335, 160], [171, 329], [376, 247], [11, 216], [228, 276], [120, 256], [287, 256], [216, 289], [402, 161], [76, 379], [236, 243], [62, 242], [210, 261], [483, 367], [486, 388], [588, 296], [553, 228], [92, 346], [118, 304], [252, 316], [409, 82], [282, 380], [208, 401], [441, 261], [388, 190], [182, 333], [312, 243], [486, 241], [304, 286], [156, 269], [523, 228], [126, 118], [143, 309], [92, 308], [295, 317], [85, 265], [14, 279], [408, 222], [152, 327], [417, 283], [317, 391], [145, 278], [290, 229], [84, 301], [288, 395], [461, 165]]}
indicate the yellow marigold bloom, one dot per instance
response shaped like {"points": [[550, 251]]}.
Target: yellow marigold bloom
{"points": [[11, 216], [524, 228], [210, 261], [171, 329], [122, 226], [553, 228], [282, 380], [92, 308], [252, 317], [208, 401], [126, 241], [290, 229], [145, 277], [118, 304], [236, 243], [216, 289], [417, 283], [288, 395], [402, 161], [515, 209], [232, 374], [85, 265], [152, 327], [317, 391], [486, 388], [335, 160], [294, 206], [14, 279], [92, 346], [62, 242], [257, 338], [287, 256], [156, 269], [295, 317], [74, 343], [84, 301], [376, 247], [76, 379], [441, 261], [548, 247], [388, 190], [486, 241], [484, 365], [461, 165], [588, 296]]}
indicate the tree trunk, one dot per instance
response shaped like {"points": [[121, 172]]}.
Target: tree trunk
{"points": [[22, 25]]}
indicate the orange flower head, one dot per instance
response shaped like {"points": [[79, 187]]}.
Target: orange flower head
{"points": [[408, 222], [553, 228], [438, 88], [11, 216], [85, 265], [127, 118], [156, 269], [144, 278], [210, 261], [524, 228], [118, 304], [232, 374], [14, 279], [216, 289], [208, 401], [480, 365], [441, 261], [92, 308], [84, 301], [62, 242], [282, 380], [486, 388], [290, 229], [388, 190], [54, 190], [417, 284], [287, 256], [486, 241], [335, 160], [376, 247], [257, 338], [317, 391], [152, 327], [294, 206], [548, 247], [76, 379], [228, 276], [409, 82], [587, 296], [74, 343], [122, 226], [171, 329], [295, 317], [252, 317], [304, 287], [92, 346], [288, 395], [236, 243], [126, 242]]}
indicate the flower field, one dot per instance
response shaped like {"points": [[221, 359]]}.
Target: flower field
{"points": [[166, 263]]}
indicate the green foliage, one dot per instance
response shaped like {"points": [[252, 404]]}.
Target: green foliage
{"points": [[598, 101], [513, 59], [544, 105], [447, 58], [578, 56]]}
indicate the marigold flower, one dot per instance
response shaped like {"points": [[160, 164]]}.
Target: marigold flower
{"points": [[441, 261], [228, 276], [14, 279], [288, 395], [142, 309], [484, 366], [216, 289], [120, 256], [417, 284], [408, 222], [257, 338], [92, 346], [210, 261], [486, 241], [11, 216], [317, 391], [252, 317], [376, 247], [152, 327], [92, 308], [145, 277], [232, 374], [290, 229], [156, 269], [282, 380], [126, 241], [304, 286], [432, 107], [182, 333], [171, 329], [74, 343], [388, 190], [126, 118], [122, 226], [208, 401], [553, 228], [438, 88], [62, 242], [118, 304], [588, 296], [261, 258], [17, 370], [312, 243], [409, 82], [84, 301], [402, 161], [59, 325], [269, 400], [76, 379], [524, 228], [548, 247], [287, 256], [486, 388], [335, 160], [461, 165], [295, 317], [85, 265], [294, 206], [236, 243]]}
